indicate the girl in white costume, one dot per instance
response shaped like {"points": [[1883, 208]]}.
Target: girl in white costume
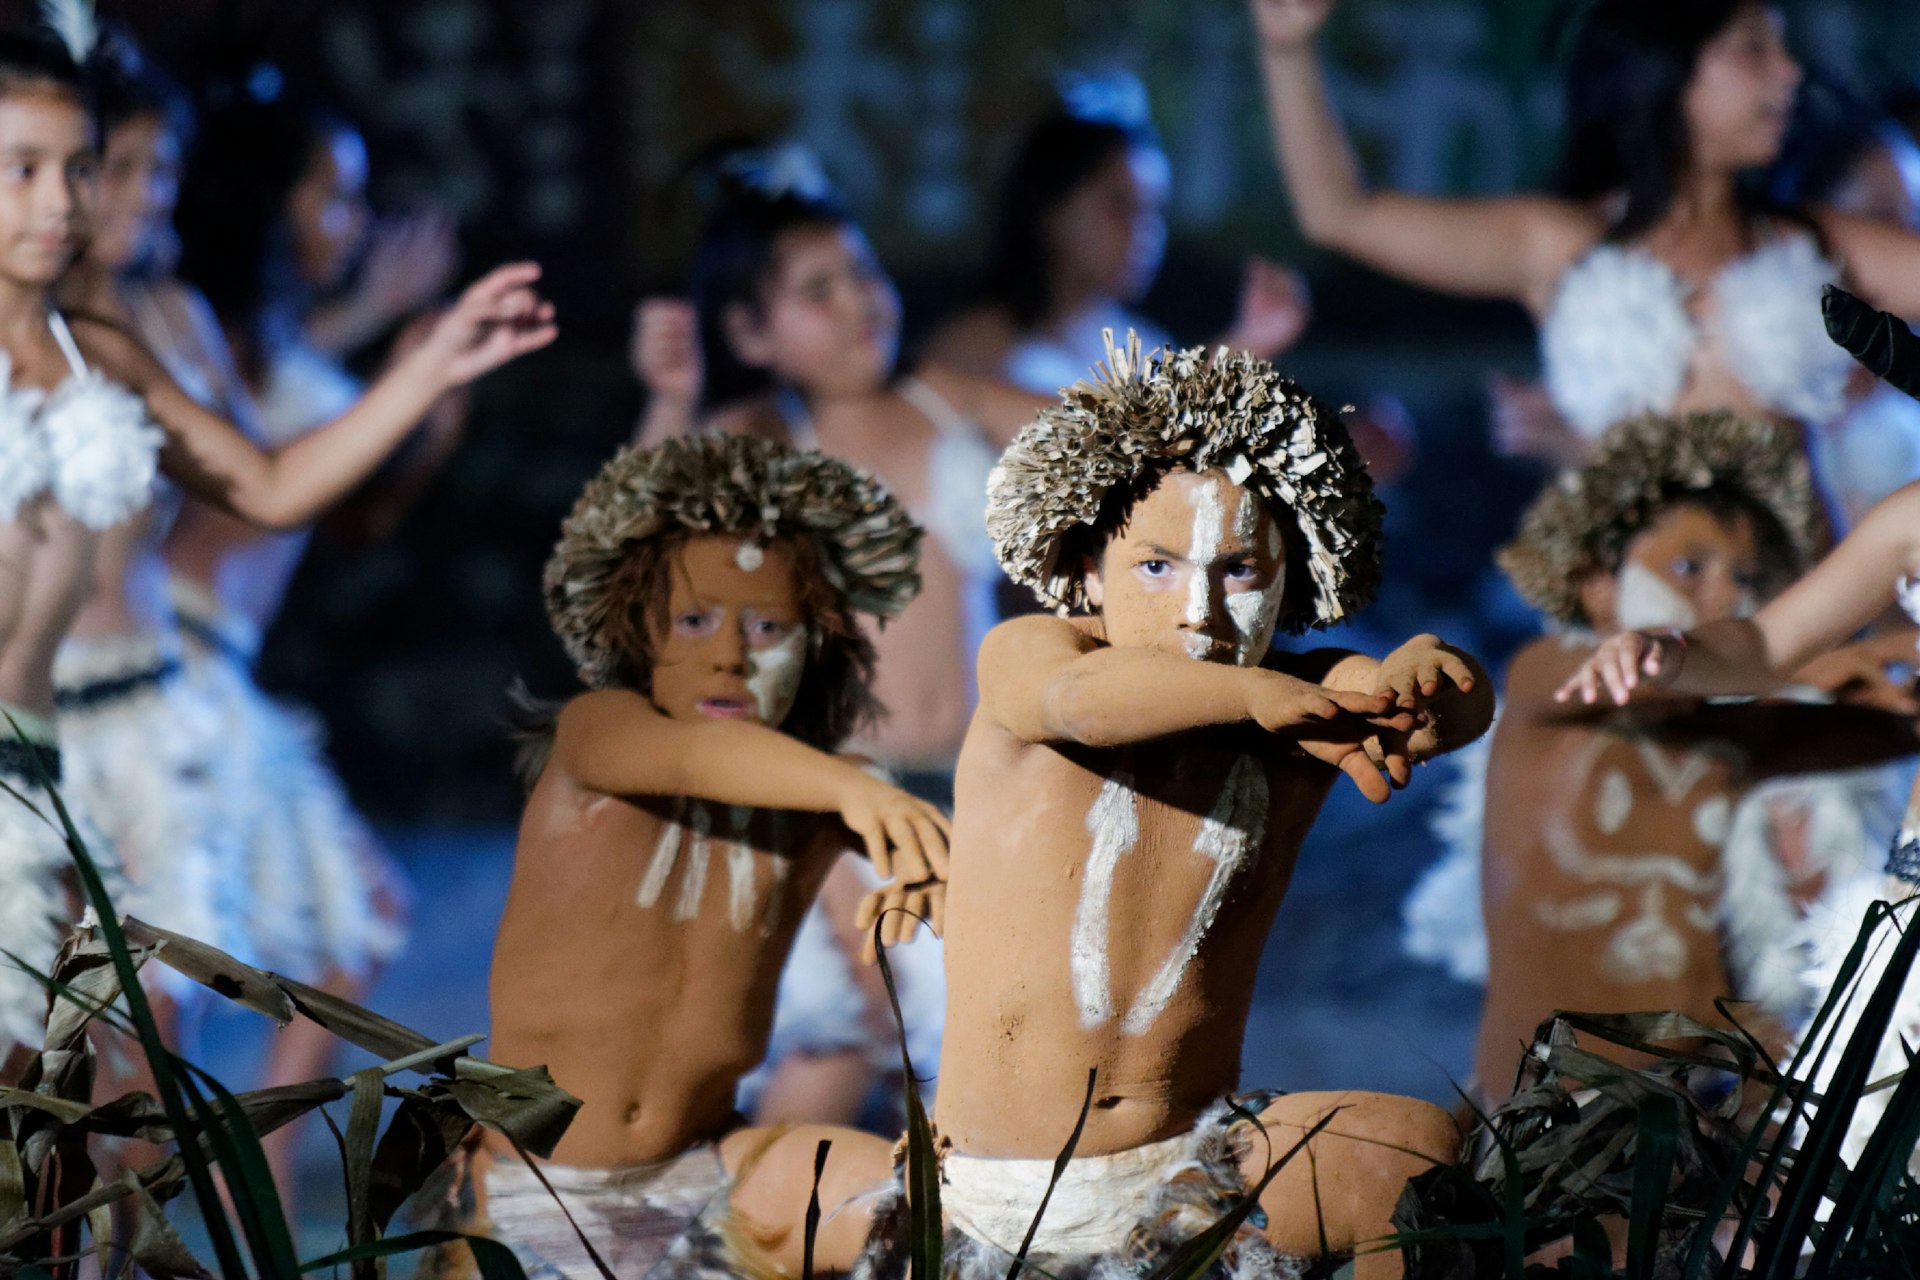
{"points": [[272, 214], [1662, 280], [91, 418], [794, 335], [1077, 240]]}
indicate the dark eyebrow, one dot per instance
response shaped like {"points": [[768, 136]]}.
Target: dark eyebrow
{"points": [[1162, 552]]}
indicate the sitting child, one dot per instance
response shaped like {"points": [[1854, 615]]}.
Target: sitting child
{"points": [[681, 820], [1132, 795], [1612, 877]]}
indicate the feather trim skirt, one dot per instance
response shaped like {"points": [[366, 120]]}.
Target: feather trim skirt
{"points": [[324, 895], [40, 900], [143, 761]]}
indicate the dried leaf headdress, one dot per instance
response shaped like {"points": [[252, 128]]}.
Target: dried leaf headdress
{"points": [[747, 485], [1145, 415], [1583, 522]]}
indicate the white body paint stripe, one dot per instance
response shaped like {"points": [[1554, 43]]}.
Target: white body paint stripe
{"points": [[1113, 821]]}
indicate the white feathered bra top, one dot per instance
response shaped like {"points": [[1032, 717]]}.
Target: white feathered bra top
{"points": [[88, 442], [1620, 337]]}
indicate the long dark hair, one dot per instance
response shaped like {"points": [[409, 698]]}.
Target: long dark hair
{"points": [[236, 244], [1627, 74], [1055, 159], [748, 211]]}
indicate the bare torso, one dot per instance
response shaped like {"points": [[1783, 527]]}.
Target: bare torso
{"points": [[639, 959], [1601, 868], [1051, 974]]}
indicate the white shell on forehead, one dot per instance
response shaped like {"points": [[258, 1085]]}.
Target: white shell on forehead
{"points": [[750, 556]]}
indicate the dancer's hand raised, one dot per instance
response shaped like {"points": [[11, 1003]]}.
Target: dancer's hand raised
{"points": [[499, 318], [1623, 665], [1289, 24]]}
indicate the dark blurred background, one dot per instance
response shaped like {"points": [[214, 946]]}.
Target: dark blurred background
{"points": [[556, 129]]}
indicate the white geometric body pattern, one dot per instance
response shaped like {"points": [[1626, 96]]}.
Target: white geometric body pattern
{"points": [[1229, 837], [690, 831], [1646, 945]]}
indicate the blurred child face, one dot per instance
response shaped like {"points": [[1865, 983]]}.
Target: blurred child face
{"points": [[1107, 237], [1198, 570], [327, 209], [1687, 568], [139, 185], [1738, 102], [828, 320], [47, 165], [735, 642]]}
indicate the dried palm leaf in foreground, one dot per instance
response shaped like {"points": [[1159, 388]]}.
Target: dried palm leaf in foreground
{"points": [[58, 1208]]}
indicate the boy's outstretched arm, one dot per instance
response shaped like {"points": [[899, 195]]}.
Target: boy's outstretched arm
{"points": [[1843, 593], [615, 741], [1044, 680]]}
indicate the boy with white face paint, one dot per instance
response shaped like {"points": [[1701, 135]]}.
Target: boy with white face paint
{"points": [[1133, 793], [1613, 875], [683, 814]]}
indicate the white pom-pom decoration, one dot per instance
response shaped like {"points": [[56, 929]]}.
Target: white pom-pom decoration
{"points": [[25, 465], [1767, 311], [105, 452], [1617, 340], [1441, 922]]}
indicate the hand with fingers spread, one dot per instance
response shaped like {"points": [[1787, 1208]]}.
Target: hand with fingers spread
{"points": [[499, 318], [1413, 676], [1331, 725], [1630, 663], [901, 908], [903, 835]]}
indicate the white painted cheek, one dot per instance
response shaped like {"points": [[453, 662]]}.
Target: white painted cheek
{"points": [[1254, 614], [1646, 602], [773, 675]]}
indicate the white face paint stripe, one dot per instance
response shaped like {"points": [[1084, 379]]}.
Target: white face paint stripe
{"points": [[1643, 600], [693, 886], [740, 864], [1203, 548], [773, 673], [1230, 836], [1113, 820], [666, 851]]}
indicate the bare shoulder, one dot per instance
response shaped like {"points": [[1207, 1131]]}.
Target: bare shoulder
{"points": [[975, 340], [1042, 632], [1542, 666], [112, 349], [754, 416], [588, 715]]}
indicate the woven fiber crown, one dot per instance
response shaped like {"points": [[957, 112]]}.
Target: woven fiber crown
{"points": [[1144, 416], [758, 488], [1581, 524]]}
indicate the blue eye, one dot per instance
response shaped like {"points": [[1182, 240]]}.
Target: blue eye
{"points": [[1155, 568], [1685, 567], [1241, 571], [693, 623]]}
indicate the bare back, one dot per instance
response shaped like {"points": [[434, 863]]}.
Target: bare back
{"points": [[640, 954], [1107, 910]]}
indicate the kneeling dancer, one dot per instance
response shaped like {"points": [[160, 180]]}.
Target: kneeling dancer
{"points": [[1132, 795], [686, 809]]}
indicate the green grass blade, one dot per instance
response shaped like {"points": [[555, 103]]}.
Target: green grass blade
{"points": [[495, 1260], [1656, 1141], [813, 1209], [1059, 1171], [1193, 1259], [237, 1151], [926, 1230], [167, 1085]]}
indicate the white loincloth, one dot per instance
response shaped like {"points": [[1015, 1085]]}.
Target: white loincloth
{"points": [[660, 1219], [313, 867], [1115, 1214]]}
